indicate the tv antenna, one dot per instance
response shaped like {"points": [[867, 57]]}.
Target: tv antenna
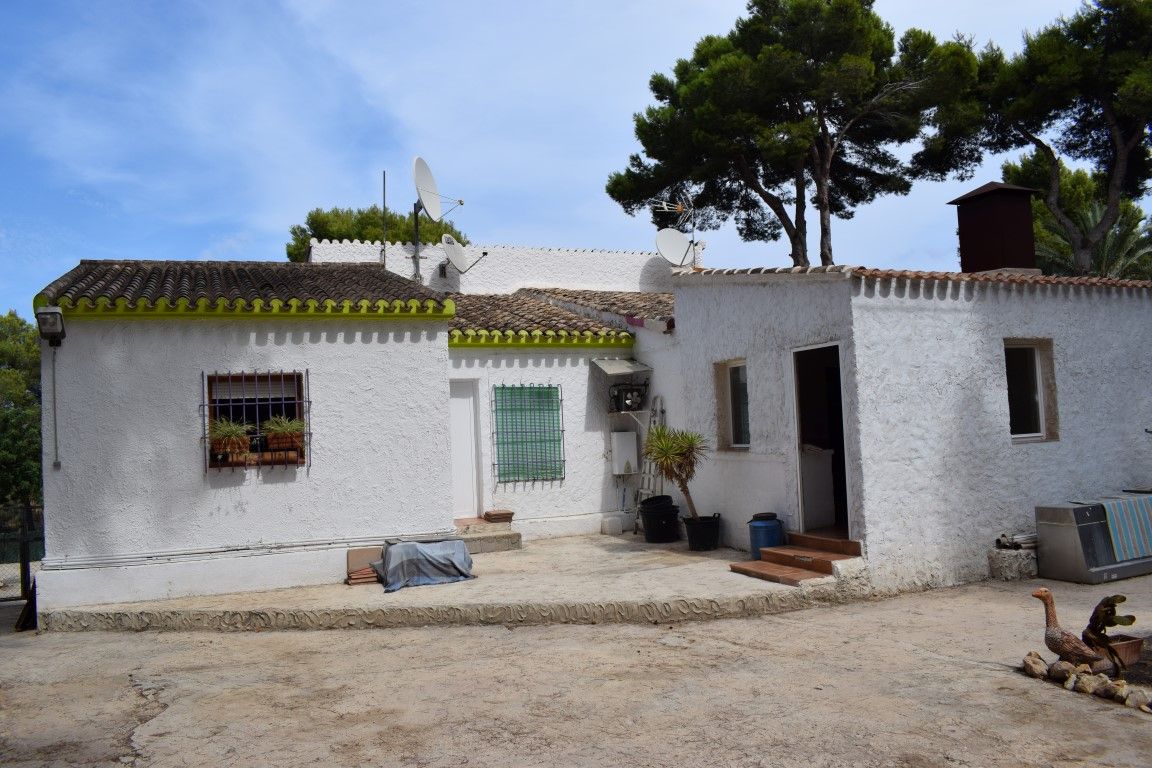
{"points": [[428, 200], [456, 255], [677, 248], [682, 208]]}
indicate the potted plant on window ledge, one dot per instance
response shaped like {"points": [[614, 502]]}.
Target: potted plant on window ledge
{"points": [[282, 434], [230, 441], [675, 454]]}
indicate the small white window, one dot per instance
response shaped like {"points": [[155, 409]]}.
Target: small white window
{"points": [[738, 404], [1031, 389], [733, 432]]}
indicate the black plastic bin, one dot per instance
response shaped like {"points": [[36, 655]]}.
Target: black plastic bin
{"points": [[703, 532], [661, 519]]}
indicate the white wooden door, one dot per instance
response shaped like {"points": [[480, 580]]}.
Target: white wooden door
{"points": [[462, 434]]}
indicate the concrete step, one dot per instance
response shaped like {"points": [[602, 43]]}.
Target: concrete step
{"points": [[825, 544], [802, 557], [491, 541], [465, 525], [781, 574]]}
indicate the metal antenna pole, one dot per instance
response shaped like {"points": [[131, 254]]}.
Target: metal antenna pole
{"points": [[416, 244], [384, 214]]}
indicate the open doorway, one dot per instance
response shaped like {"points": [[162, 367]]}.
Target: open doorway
{"points": [[820, 427]]}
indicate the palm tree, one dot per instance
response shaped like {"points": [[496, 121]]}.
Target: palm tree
{"points": [[675, 453], [1125, 252]]}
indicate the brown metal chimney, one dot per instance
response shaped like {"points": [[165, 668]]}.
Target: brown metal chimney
{"points": [[995, 224]]}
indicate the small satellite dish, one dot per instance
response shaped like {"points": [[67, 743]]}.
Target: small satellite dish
{"points": [[426, 189], [456, 255], [675, 247]]}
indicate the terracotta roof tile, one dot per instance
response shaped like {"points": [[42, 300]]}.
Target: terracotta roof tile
{"points": [[149, 281], [1015, 278], [648, 306], [518, 312]]}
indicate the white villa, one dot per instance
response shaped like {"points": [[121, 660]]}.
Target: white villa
{"points": [[919, 414]]}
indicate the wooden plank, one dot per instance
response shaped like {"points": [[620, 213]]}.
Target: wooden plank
{"points": [[802, 557], [780, 574], [840, 546]]}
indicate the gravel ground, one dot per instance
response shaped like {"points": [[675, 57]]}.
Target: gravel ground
{"points": [[920, 680]]}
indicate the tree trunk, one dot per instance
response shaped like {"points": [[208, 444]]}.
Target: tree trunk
{"points": [[823, 202], [794, 227], [799, 235], [683, 486], [822, 152], [1084, 243]]}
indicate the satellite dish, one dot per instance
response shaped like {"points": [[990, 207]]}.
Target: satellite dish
{"points": [[675, 247], [456, 256], [429, 202], [426, 189]]}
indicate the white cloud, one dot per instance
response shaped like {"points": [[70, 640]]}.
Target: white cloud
{"points": [[194, 120]]}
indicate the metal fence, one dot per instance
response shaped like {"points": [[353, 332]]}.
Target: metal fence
{"points": [[21, 548]]}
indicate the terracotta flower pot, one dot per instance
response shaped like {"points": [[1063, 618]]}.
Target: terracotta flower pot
{"points": [[285, 441], [1128, 648]]}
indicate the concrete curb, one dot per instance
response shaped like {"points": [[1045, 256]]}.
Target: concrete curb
{"points": [[640, 611]]}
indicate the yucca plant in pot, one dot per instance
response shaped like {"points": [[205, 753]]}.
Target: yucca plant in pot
{"points": [[230, 439], [676, 453], [283, 433]]}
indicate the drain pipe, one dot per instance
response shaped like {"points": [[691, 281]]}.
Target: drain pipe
{"points": [[55, 431]]}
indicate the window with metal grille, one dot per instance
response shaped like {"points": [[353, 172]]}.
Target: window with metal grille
{"points": [[256, 419], [528, 430]]}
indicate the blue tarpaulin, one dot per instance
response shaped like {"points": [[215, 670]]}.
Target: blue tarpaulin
{"points": [[414, 564]]}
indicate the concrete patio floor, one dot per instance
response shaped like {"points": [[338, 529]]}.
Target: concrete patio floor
{"points": [[573, 580]]}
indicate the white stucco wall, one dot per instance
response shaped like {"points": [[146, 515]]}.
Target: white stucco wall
{"points": [[132, 487], [942, 478], [660, 351], [508, 268], [574, 505], [762, 319]]}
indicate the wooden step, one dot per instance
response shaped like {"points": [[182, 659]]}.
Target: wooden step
{"points": [[802, 557], [781, 574], [825, 544]]}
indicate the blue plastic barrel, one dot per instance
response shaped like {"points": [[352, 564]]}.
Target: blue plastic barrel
{"points": [[764, 530]]}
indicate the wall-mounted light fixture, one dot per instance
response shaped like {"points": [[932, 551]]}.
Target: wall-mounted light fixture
{"points": [[51, 323]]}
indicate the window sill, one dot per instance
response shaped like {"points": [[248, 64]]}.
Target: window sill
{"points": [[263, 459], [1027, 439]]}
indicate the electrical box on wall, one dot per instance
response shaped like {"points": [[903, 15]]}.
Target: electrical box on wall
{"points": [[624, 454]]}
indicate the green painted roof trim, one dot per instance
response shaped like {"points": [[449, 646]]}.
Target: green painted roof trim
{"points": [[275, 309], [473, 339]]}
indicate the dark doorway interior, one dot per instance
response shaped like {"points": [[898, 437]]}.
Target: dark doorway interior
{"points": [[820, 408]]}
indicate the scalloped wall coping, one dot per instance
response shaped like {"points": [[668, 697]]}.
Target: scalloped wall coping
{"points": [[474, 338], [183, 308], [995, 278], [478, 247]]}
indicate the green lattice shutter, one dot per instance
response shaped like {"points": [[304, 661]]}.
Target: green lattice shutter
{"points": [[528, 429]]}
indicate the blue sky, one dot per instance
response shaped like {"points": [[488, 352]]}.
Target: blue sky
{"points": [[204, 130]]}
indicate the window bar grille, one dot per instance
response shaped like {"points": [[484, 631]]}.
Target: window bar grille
{"points": [[306, 407], [528, 433], [205, 443], [252, 398]]}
